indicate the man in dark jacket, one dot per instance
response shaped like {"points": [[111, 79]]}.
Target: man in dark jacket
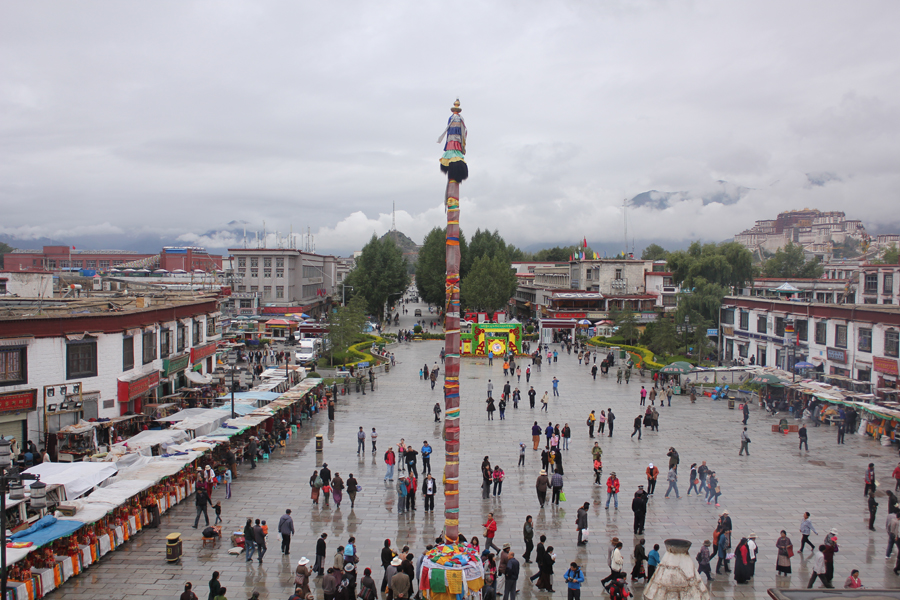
{"points": [[639, 507], [286, 529], [321, 549], [252, 448], [260, 538], [581, 522], [201, 501], [512, 577]]}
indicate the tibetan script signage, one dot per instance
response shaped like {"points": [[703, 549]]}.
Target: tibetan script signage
{"points": [[128, 390], [175, 364], [836, 354], [887, 366], [18, 401], [201, 352]]}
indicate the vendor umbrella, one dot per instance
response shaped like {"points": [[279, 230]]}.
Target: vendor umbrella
{"points": [[677, 368], [584, 322], [766, 378], [804, 365]]}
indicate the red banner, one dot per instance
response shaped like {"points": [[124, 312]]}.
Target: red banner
{"points": [[129, 390], [201, 352], [18, 401], [888, 366]]}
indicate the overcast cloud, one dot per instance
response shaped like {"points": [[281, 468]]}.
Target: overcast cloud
{"points": [[176, 118]]}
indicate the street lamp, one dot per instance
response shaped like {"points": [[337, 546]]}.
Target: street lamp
{"points": [[10, 477], [343, 293], [232, 362], [687, 325]]}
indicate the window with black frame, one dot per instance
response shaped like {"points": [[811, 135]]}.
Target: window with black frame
{"points": [[81, 359], [13, 366]]}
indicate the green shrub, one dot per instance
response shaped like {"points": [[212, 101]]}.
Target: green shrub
{"points": [[529, 329], [417, 329], [313, 375]]}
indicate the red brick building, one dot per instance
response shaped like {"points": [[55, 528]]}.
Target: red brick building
{"points": [[189, 259], [67, 258]]}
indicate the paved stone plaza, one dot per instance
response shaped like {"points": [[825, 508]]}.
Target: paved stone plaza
{"points": [[764, 493]]}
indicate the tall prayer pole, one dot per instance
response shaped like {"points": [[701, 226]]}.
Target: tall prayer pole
{"points": [[453, 163]]}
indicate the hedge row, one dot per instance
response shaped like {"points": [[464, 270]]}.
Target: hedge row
{"points": [[640, 354]]}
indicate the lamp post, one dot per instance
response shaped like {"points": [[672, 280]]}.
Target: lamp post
{"points": [[232, 362], [687, 325], [344, 286], [11, 478]]}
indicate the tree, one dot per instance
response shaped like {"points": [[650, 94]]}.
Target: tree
{"points": [[791, 262], [701, 302], [345, 324], [627, 324], [489, 285], [661, 337], [889, 256], [654, 252], [485, 243], [380, 274], [431, 266], [4, 249], [561, 253], [728, 264]]}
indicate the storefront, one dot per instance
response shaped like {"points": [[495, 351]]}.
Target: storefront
{"points": [[173, 372], [205, 352], [134, 393], [14, 409]]}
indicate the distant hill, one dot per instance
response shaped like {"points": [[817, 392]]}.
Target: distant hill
{"points": [[409, 247]]}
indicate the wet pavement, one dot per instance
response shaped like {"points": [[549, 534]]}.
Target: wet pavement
{"points": [[764, 493]]}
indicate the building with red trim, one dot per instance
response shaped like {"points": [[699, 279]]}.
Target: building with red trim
{"points": [[857, 341], [66, 360], [67, 258]]}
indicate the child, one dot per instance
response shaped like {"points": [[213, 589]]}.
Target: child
{"points": [[218, 509], [420, 374], [265, 529], [598, 471]]}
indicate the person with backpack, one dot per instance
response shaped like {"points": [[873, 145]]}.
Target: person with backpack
{"points": [[574, 577]]}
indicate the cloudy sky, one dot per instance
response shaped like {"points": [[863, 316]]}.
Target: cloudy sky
{"points": [[177, 118]]}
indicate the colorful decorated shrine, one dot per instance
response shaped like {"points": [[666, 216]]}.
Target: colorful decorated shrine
{"points": [[451, 572], [498, 338]]}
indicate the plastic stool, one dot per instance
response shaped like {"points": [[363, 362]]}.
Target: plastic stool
{"points": [[265, 457]]}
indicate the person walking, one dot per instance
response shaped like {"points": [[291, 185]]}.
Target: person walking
{"points": [[892, 526], [360, 442], [512, 577], [531, 396], [497, 477], [536, 435], [638, 421], [819, 568], [490, 408], [693, 480], [803, 437], [639, 508], [639, 556], [714, 489], [745, 408], [490, 530], [321, 553], [703, 560], [528, 536], [286, 529], [643, 396], [374, 437], [574, 578], [249, 540], [352, 489], [672, 478], [612, 490], [337, 489], [722, 552], [652, 474], [745, 443], [653, 560], [545, 401], [490, 389], [806, 527], [259, 537], [610, 418], [426, 457], [581, 523], [201, 501], [521, 454], [566, 435], [541, 486], [215, 586], [557, 483]]}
